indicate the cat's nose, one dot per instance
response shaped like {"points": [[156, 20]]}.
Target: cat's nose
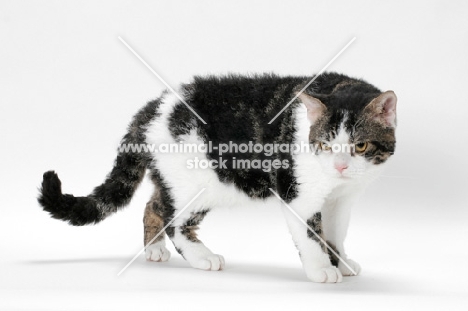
{"points": [[341, 167]]}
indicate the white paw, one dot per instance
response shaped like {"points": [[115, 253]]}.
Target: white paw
{"points": [[346, 271], [157, 252], [212, 262], [325, 275]]}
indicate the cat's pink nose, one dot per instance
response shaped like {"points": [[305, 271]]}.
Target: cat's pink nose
{"points": [[341, 167]]}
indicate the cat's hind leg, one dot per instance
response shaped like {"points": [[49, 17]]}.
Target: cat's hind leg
{"points": [[154, 238], [183, 235]]}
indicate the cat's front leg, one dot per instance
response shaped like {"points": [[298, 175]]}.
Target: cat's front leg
{"points": [[312, 250], [336, 214]]}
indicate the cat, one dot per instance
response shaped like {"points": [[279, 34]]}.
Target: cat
{"points": [[319, 183]]}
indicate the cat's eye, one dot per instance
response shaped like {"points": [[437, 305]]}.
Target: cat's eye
{"points": [[361, 147], [325, 146]]}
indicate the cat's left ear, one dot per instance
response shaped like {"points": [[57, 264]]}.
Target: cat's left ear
{"points": [[383, 108], [315, 108]]}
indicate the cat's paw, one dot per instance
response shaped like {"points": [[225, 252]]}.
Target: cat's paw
{"points": [[346, 271], [211, 262], [157, 252], [325, 275]]}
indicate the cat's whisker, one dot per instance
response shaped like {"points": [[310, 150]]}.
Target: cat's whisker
{"points": [[402, 177]]}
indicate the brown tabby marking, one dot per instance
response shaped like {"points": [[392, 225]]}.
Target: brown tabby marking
{"points": [[345, 83], [153, 223], [191, 226]]}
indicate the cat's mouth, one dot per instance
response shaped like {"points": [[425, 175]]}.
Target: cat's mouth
{"points": [[346, 175]]}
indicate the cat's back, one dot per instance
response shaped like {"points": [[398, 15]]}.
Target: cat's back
{"points": [[235, 107], [240, 96]]}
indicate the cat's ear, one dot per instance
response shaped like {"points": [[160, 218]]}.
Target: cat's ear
{"points": [[315, 108], [383, 108]]}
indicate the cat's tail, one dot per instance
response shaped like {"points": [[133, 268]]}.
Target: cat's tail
{"points": [[118, 188]]}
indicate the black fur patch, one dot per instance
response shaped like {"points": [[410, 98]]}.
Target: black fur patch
{"points": [[315, 223], [77, 211], [180, 252], [333, 259]]}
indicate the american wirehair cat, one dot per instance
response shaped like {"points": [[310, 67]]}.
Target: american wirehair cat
{"points": [[242, 157]]}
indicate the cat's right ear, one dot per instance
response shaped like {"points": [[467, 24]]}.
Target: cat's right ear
{"points": [[315, 108]]}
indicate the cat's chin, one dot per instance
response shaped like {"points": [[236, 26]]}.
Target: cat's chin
{"points": [[346, 177]]}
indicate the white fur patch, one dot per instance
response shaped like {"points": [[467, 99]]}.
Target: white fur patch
{"points": [[157, 252]]}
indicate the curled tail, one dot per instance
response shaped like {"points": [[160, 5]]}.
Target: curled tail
{"points": [[116, 191]]}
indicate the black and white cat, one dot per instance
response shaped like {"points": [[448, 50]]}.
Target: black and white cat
{"points": [[320, 184]]}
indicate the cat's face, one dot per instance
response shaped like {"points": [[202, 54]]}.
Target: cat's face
{"points": [[355, 136]]}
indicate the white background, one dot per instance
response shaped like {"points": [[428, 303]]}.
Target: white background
{"points": [[68, 88]]}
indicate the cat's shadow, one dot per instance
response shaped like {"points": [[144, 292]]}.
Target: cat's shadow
{"points": [[76, 261], [252, 272], [260, 272], [265, 272]]}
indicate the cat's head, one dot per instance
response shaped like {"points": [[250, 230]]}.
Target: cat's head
{"points": [[352, 129]]}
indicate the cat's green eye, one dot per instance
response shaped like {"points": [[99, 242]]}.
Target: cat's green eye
{"points": [[325, 146], [361, 147]]}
